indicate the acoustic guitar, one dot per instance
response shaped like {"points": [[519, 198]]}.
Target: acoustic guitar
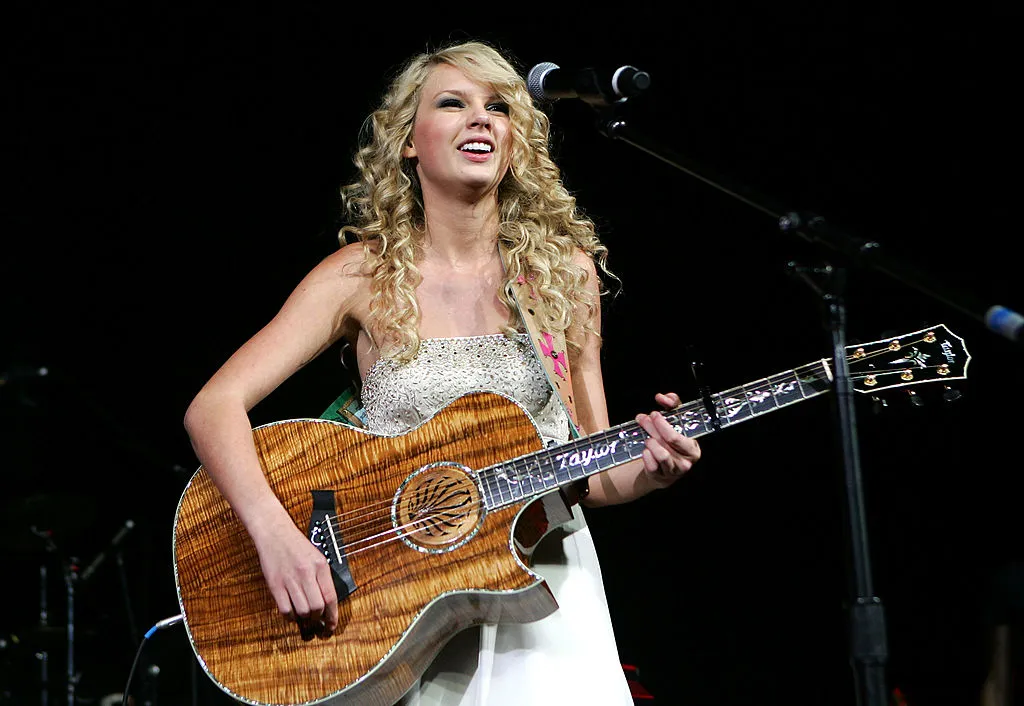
{"points": [[430, 532]]}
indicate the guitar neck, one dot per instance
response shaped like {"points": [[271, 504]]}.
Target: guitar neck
{"points": [[532, 475]]}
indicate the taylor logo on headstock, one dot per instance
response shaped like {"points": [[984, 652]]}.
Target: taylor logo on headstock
{"points": [[910, 359]]}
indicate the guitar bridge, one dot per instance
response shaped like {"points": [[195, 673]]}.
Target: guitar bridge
{"points": [[325, 534]]}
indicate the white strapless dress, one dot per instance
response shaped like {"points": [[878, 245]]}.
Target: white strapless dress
{"points": [[565, 659]]}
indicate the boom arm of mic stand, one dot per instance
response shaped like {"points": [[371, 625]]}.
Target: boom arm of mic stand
{"points": [[865, 253]]}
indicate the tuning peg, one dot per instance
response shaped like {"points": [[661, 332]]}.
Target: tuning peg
{"points": [[950, 394], [915, 399], [878, 404]]}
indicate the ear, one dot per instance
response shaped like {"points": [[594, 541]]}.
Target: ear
{"points": [[409, 151]]}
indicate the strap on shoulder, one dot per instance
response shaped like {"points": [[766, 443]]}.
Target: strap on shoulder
{"points": [[550, 349]]}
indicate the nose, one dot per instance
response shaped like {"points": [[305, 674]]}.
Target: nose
{"points": [[480, 118]]}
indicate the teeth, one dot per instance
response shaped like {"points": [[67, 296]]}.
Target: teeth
{"points": [[476, 147]]}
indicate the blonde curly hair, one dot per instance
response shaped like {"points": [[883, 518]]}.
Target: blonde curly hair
{"points": [[540, 226]]}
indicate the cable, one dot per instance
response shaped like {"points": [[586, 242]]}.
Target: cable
{"points": [[160, 625]]}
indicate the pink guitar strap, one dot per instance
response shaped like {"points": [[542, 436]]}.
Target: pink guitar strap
{"points": [[549, 349]]}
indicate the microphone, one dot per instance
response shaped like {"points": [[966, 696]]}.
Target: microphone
{"points": [[1006, 322], [547, 81]]}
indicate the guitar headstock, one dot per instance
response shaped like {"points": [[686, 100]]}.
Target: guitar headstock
{"points": [[933, 354]]}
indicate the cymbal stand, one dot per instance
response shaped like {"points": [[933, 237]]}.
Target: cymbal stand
{"points": [[70, 570], [42, 655], [70, 576]]}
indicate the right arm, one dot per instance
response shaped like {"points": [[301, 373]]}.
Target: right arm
{"points": [[313, 317]]}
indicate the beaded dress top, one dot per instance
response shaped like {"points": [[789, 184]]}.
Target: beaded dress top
{"points": [[398, 397]]}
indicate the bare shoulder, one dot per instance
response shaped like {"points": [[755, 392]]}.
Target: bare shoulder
{"points": [[585, 262], [339, 276], [341, 284], [347, 261]]}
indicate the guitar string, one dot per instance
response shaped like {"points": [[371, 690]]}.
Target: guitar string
{"points": [[336, 521], [363, 512], [369, 516]]}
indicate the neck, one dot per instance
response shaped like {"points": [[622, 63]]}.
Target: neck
{"points": [[461, 233]]}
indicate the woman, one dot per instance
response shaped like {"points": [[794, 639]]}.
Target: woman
{"points": [[457, 198]]}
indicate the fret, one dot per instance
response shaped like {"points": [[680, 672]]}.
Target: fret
{"points": [[490, 488], [530, 471], [545, 472], [785, 388], [575, 463], [504, 492], [511, 481], [814, 379], [692, 419], [632, 446], [526, 477], [732, 406], [759, 396]]}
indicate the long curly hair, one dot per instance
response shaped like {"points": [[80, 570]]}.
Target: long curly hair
{"points": [[540, 225]]}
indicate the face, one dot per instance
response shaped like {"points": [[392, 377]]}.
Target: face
{"points": [[461, 137]]}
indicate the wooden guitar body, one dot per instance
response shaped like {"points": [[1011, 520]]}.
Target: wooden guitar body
{"points": [[414, 588]]}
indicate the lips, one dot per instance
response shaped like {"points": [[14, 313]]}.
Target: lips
{"points": [[477, 146]]}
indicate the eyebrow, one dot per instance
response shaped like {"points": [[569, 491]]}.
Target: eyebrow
{"points": [[463, 94]]}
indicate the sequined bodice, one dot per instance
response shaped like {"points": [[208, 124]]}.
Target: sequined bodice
{"points": [[398, 397]]}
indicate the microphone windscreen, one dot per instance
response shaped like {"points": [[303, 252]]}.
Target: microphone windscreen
{"points": [[535, 79]]}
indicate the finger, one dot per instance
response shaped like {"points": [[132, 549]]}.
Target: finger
{"points": [[646, 423], [661, 455], [678, 442], [330, 596], [669, 400], [650, 465], [283, 601], [300, 604]]}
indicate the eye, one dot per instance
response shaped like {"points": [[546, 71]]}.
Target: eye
{"points": [[499, 106], [450, 103]]}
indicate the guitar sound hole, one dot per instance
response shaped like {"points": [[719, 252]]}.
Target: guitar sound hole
{"points": [[438, 508]]}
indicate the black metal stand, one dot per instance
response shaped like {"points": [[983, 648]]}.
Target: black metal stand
{"points": [[42, 655], [70, 571], [868, 642], [868, 651], [70, 576]]}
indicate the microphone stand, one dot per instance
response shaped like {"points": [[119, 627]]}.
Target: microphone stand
{"points": [[868, 648], [813, 228]]}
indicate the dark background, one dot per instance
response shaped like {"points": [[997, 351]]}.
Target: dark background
{"points": [[172, 172]]}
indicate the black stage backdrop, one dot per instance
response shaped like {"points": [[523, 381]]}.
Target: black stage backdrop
{"points": [[172, 171]]}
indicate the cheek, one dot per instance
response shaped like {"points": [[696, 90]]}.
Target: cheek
{"points": [[428, 138]]}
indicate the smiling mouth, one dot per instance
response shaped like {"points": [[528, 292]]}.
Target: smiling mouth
{"points": [[475, 147]]}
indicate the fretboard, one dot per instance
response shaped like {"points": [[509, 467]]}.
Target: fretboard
{"points": [[531, 475]]}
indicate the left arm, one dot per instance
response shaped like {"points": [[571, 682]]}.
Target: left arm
{"points": [[668, 455]]}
